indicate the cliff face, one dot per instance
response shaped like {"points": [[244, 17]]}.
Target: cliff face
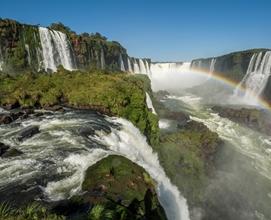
{"points": [[233, 65], [30, 47], [250, 67]]}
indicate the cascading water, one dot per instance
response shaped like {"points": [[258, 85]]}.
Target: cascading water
{"points": [[1, 60], [257, 75], [169, 67], [122, 67], [55, 160], [136, 66], [142, 67], [130, 69], [28, 54], [102, 59], [212, 65], [55, 50], [149, 103], [130, 143]]}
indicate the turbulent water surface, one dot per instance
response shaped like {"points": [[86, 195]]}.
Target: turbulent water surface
{"points": [[243, 175], [53, 162]]}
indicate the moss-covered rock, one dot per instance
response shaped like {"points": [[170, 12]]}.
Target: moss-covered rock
{"points": [[120, 182], [113, 94], [119, 179]]}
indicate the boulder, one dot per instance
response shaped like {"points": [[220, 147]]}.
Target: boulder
{"points": [[27, 132], [13, 152], [3, 148], [5, 119]]}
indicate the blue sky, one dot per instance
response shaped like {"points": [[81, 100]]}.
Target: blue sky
{"points": [[168, 30]]}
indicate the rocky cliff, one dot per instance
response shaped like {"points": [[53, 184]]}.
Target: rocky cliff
{"points": [[31, 47], [250, 68], [233, 65]]}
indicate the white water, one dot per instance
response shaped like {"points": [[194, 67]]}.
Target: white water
{"points": [[102, 59], [130, 69], [130, 143], [212, 65], [28, 54], [122, 68], [248, 142], [149, 103], [257, 76], [55, 50], [1, 60], [142, 67], [169, 67], [136, 66], [173, 76], [59, 150]]}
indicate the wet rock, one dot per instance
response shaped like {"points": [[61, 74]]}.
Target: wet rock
{"points": [[13, 152], [3, 148], [256, 119], [5, 119], [15, 114], [54, 108], [27, 132], [86, 131]]}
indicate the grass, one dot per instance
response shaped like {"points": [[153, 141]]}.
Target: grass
{"points": [[32, 211], [116, 94]]}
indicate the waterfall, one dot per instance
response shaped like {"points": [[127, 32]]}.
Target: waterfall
{"points": [[136, 67], [212, 65], [55, 49], [169, 67], [1, 60], [147, 67], [142, 67], [149, 103], [102, 59], [122, 68], [130, 69], [28, 54], [130, 143], [257, 75]]}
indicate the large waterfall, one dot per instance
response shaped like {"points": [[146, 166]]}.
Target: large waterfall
{"points": [[169, 67], [257, 75], [1, 60], [55, 50]]}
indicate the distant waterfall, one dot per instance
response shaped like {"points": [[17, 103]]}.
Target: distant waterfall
{"points": [[130, 69], [149, 103], [1, 60], [212, 65], [122, 67], [136, 66], [55, 49], [28, 54], [102, 60], [169, 67], [142, 66], [257, 75]]}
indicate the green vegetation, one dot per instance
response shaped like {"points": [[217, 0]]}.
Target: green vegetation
{"points": [[187, 152], [33, 211], [187, 156], [119, 178], [114, 94], [123, 191], [233, 65]]}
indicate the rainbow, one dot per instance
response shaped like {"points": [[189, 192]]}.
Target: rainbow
{"points": [[221, 78]]}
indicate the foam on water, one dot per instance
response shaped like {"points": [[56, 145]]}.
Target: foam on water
{"points": [[164, 124], [60, 155]]}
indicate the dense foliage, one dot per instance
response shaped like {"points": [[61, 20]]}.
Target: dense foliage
{"points": [[114, 94]]}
